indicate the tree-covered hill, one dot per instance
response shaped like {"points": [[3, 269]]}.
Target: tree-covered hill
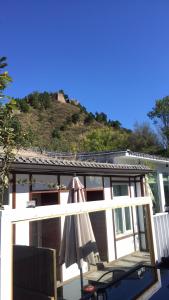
{"points": [[68, 126]]}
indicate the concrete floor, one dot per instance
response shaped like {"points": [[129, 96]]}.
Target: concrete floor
{"points": [[125, 263]]}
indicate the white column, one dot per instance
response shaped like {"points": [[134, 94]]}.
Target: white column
{"points": [[6, 280], [161, 191], [109, 222], [110, 236], [22, 197]]}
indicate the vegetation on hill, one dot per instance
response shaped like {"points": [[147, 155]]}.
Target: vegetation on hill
{"points": [[160, 116], [69, 127], [11, 135]]}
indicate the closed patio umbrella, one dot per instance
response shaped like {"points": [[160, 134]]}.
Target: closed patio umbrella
{"points": [[78, 241]]}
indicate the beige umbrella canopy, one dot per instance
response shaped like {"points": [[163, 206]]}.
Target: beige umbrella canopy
{"points": [[78, 241]]}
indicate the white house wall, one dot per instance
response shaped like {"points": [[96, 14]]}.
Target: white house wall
{"points": [[125, 246], [161, 225]]}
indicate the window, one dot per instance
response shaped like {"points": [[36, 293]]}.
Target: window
{"points": [[120, 190], [122, 215], [152, 180], [166, 188], [94, 182]]}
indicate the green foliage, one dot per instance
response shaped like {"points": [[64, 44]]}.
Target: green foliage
{"points": [[45, 100], [89, 119], [5, 79], [101, 117], [50, 125], [82, 108], [102, 139], [160, 116], [36, 100], [143, 139], [7, 134], [68, 121], [75, 118], [23, 105], [114, 124], [8, 141], [11, 134], [63, 127], [56, 133]]}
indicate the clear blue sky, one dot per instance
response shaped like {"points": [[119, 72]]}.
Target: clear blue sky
{"points": [[111, 55]]}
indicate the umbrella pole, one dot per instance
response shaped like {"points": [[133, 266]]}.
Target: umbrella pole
{"points": [[81, 280]]}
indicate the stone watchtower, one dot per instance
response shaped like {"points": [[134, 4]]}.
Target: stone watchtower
{"points": [[60, 98]]}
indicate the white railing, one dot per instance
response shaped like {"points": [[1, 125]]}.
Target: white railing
{"points": [[10, 217], [161, 227]]}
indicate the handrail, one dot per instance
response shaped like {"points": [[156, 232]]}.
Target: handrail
{"points": [[59, 210]]}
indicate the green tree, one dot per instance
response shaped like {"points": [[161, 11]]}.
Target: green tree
{"points": [[56, 133], [75, 118], [144, 139], [8, 137], [114, 124], [102, 139], [89, 119], [34, 100], [45, 100], [160, 116], [23, 105], [5, 79], [101, 117]]}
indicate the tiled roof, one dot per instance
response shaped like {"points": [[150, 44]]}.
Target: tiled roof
{"points": [[74, 163]]}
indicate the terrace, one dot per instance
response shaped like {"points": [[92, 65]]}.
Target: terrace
{"points": [[70, 288]]}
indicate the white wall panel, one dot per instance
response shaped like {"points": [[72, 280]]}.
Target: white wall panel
{"points": [[161, 226], [125, 246]]}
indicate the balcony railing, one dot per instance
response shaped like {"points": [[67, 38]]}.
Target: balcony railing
{"points": [[10, 217]]}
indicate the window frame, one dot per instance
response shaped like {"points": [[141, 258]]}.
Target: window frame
{"points": [[124, 223]]}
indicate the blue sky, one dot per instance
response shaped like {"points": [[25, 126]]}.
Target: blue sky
{"points": [[111, 55]]}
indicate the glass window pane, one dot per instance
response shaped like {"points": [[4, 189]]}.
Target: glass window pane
{"points": [[127, 218], [152, 180], [120, 190], [65, 180], [94, 182], [166, 188], [44, 182], [119, 221]]}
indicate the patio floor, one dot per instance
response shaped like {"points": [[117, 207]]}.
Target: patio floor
{"points": [[125, 263], [70, 289]]}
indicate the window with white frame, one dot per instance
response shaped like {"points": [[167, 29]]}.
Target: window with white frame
{"points": [[122, 215], [166, 188]]}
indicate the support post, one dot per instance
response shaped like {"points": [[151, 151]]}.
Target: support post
{"points": [[6, 276], [161, 191]]}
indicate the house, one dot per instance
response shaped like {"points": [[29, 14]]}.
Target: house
{"points": [[158, 182], [158, 179], [43, 180]]}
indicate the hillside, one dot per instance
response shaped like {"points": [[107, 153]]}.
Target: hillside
{"points": [[65, 125]]}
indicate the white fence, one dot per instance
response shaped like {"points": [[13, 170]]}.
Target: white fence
{"points": [[161, 226], [16, 216]]}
